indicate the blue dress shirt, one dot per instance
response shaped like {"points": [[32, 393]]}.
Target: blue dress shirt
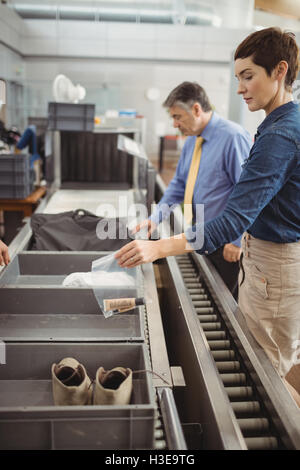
{"points": [[226, 145], [266, 200]]}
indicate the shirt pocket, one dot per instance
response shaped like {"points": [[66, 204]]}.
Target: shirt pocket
{"points": [[258, 281], [212, 177]]}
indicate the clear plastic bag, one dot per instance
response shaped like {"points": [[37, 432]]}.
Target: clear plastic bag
{"points": [[116, 289]]}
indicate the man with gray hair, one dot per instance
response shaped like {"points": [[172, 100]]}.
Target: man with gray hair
{"points": [[209, 166]]}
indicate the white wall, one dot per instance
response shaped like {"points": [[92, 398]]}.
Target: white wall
{"points": [[11, 26], [127, 40], [12, 66], [11, 61], [127, 83], [117, 62]]}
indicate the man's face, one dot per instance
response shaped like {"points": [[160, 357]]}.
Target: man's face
{"points": [[186, 121]]}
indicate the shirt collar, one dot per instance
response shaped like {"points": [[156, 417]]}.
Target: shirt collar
{"points": [[276, 114], [210, 127]]}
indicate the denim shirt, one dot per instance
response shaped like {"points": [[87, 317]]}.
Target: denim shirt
{"points": [[266, 200]]}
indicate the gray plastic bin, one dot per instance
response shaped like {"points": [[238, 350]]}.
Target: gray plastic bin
{"points": [[16, 177], [71, 117], [35, 306], [16, 192], [29, 419], [14, 163]]}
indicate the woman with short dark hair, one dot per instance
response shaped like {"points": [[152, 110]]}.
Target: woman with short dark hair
{"points": [[265, 203]]}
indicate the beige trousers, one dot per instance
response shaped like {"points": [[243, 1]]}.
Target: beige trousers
{"points": [[269, 298]]}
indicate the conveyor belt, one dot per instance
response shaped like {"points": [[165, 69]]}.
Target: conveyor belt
{"points": [[176, 438], [253, 419], [159, 431], [233, 392]]}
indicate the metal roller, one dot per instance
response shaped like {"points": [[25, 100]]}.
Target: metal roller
{"points": [[204, 310], [208, 318], [253, 425], [223, 355], [261, 443], [239, 392], [160, 445], [228, 366], [202, 303], [158, 433], [215, 335], [246, 407], [223, 344], [193, 291], [192, 284], [233, 379], [199, 296], [189, 278], [158, 424], [213, 326]]}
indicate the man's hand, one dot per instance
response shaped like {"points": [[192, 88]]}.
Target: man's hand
{"points": [[4, 256], [231, 252], [146, 225]]}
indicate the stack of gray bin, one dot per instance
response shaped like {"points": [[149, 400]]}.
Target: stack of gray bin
{"points": [[16, 177], [71, 116], [42, 322]]}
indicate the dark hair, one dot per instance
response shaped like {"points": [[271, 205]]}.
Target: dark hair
{"points": [[186, 94], [268, 47]]}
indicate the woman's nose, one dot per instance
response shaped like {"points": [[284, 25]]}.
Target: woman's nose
{"points": [[240, 89]]}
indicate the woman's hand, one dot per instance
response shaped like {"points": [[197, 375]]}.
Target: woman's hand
{"points": [[138, 252], [231, 252], [4, 256]]}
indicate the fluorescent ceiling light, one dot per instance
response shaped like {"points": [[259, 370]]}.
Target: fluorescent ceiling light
{"points": [[99, 10]]}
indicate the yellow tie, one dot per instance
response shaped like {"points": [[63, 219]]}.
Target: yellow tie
{"points": [[190, 184]]}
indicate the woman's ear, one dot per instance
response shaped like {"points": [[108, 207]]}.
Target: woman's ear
{"points": [[281, 70]]}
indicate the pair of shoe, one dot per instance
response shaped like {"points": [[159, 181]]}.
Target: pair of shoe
{"points": [[72, 386]]}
